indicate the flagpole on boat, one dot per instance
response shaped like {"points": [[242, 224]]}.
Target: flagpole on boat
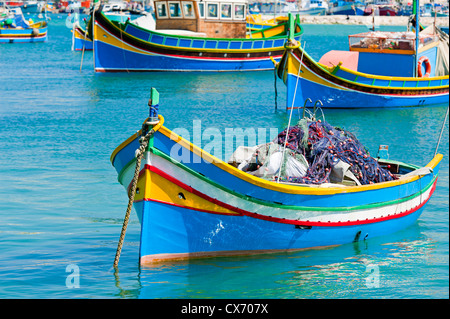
{"points": [[84, 46], [417, 28], [291, 37]]}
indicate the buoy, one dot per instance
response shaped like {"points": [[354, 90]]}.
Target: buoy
{"points": [[425, 60]]}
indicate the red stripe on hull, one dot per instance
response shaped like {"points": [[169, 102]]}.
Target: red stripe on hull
{"points": [[242, 212]]}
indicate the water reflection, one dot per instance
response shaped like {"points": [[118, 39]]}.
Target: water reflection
{"points": [[366, 269]]}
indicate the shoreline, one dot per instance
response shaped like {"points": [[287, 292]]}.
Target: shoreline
{"points": [[368, 20], [352, 20]]}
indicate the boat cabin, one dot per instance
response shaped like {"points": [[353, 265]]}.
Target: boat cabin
{"points": [[392, 53], [213, 19], [386, 53]]}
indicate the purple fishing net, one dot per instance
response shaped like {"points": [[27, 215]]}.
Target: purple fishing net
{"points": [[324, 146]]}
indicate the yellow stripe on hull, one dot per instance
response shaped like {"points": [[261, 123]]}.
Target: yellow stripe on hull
{"points": [[293, 64], [292, 68], [279, 187], [101, 35], [155, 187]]}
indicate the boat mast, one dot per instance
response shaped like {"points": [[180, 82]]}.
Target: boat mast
{"points": [[275, 11], [416, 11]]}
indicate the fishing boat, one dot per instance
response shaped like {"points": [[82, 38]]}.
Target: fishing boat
{"points": [[382, 8], [381, 69], [283, 7], [313, 7], [189, 36], [81, 40], [257, 22], [191, 204], [32, 7], [14, 28], [346, 7]]}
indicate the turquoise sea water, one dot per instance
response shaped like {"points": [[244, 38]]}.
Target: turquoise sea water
{"points": [[61, 207]]}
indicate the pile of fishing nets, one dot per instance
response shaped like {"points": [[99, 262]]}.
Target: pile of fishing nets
{"points": [[324, 147], [316, 153]]}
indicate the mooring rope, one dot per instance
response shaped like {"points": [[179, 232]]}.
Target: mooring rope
{"points": [[442, 130], [143, 141], [84, 45]]}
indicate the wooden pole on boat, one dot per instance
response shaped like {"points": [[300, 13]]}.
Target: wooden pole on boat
{"points": [[93, 31], [292, 106], [84, 45], [417, 28]]}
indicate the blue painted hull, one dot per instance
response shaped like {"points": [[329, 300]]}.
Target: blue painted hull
{"points": [[80, 44], [22, 35], [170, 230], [128, 47], [110, 58], [337, 98], [196, 207], [347, 10]]}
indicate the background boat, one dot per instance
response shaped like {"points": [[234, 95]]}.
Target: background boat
{"points": [[346, 7], [381, 69], [185, 41], [14, 28], [33, 7], [283, 7], [382, 8], [81, 40]]}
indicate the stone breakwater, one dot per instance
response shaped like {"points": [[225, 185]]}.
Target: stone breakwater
{"points": [[368, 20]]}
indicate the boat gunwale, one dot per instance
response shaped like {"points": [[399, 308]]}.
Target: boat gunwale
{"points": [[123, 34], [259, 182], [369, 76]]}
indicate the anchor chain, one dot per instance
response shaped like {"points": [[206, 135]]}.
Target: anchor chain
{"points": [[143, 141]]}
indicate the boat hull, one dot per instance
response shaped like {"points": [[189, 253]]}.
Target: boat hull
{"points": [[125, 51], [80, 41], [350, 10], [339, 87], [23, 35], [171, 232], [199, 206]]}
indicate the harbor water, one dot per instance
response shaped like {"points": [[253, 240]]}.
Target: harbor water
{"points": [[62, 208]]}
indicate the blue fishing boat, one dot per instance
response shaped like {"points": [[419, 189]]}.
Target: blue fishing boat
{"points": [[189, 36], [14, 28], [346, 7], [33, 7], [191, 204], [283, 7], [381, 70], [81, 40]]}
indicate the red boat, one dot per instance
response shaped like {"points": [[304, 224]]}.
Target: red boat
{"points": [[382, 8]]}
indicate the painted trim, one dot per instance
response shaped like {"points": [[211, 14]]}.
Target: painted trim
{"points": [[279, 187], [242, 212], [272, 204]]}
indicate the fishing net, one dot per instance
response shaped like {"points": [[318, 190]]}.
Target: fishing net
{"points": [[315, 153], [325, 148]]}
